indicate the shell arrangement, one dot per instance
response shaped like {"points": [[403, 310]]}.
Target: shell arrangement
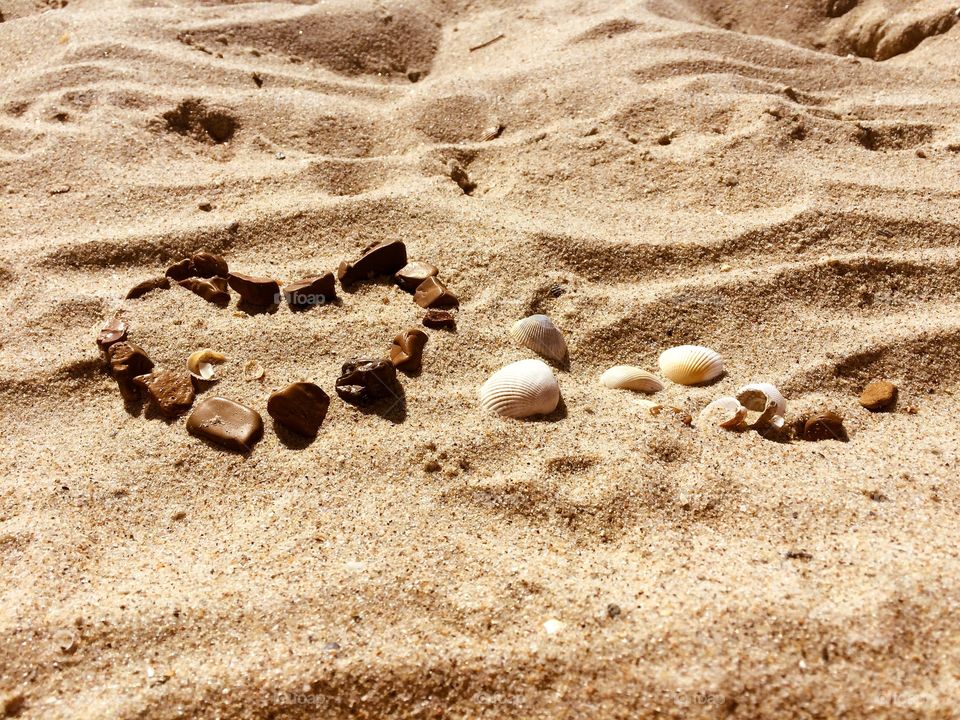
{"points": [[538, 333], [521, 389]]}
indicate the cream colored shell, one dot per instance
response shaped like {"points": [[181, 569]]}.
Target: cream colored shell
{"points": [[538, 333], [200, 363], [765, 404], [630, 377], [725, 412], [520, 390], [690, 364]]}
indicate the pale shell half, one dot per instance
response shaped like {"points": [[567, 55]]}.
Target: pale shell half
{"points": [[690, 364], [200, 363], [765, 405], [630, 377], [520, 390], [538, 333]]}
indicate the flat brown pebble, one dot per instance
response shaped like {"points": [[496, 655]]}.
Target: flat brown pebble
{"points": [[127, 361], [412, 274], [878, 395], [440, 319], [170, 392], [212, 290], [141, 289], [258, 291], [363, 380], [383, 259], [181, 270], [208, 265], [824, 425], [226, 423], [301, 407], [113, 331], [406, 352], [433, 293], [315, 290]]}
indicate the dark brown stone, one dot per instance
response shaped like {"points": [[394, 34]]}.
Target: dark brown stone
{"points": [[440, 319], [384, 259], [879, 395], [301, 407], [208, 265], [412, 274], [433, 293], [114, 331], [212, 290], [127, 361], [824, 425], [226, 423], [171, 392], [141, 289], [258, 291], [181, 270], [364, 380], [406, 352], [315, 290]]}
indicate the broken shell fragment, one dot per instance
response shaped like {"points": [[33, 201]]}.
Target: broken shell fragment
{"points": [[200, 363], [629, 377], [764, 403], [538, 333], [521, 389], [690, 364], [252, 370], [672, 412], [725, 412]]}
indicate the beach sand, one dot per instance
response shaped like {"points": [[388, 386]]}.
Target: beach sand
{"points": [[778, 183]]}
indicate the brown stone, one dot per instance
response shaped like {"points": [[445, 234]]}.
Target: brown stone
{"points": [[114, 331], [181, 270], [315, 290], [226, 423], [440, 319], [364, 380], [258, 291], [406, 352], [212, 290], [433, 293], [879, 395], [412, 274], [383, 259], [171, 392], [208, 265], [301, 407], [826, 425], [127, 361], [141, 289]]}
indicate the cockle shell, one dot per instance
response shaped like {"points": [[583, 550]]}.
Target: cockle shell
{"points": [[629, 377], [725, 412], [690, 364], [538, 333], [200, 363], [521, 389], [765, 405]]}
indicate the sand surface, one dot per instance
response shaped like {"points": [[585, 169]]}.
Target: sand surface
{"points": [[778, 182]]}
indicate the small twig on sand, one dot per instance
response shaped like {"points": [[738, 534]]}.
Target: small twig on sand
{"points": [[491, 41]]}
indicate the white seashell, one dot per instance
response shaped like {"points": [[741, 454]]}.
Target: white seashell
{"points": [[252, 370], [200, 363], [629, 377], [538, 333], [521, 389], [690, 364], [725, 412], [765, 404]]}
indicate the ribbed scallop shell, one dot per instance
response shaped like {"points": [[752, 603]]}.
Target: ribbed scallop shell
{"points": [[690, 364], [538, 333], [630, 377], [521, 389], [765, 404], [725, 412]]}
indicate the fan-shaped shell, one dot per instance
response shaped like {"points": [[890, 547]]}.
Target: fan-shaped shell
{"points": [[725, 412], [200, 363], [538, 333], [521, 389], [629, 377], [765, 404], [690, 364]]}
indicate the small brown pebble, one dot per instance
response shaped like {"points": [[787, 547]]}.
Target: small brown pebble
{"points": [[141, 289], [226, 423], [383, 259], [921, 153], [878, 395], [213, 290], [825, 425], [258, 291], [205, 205], [412, 274], [208, 265], [406, 352], [364, 379], [911, 410], [431, 466], [127, 361], [613, 611], [114, 331], [440, 319], [181, 270], [171, 392], [433, 293], [315, 290], [301, 407]]}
